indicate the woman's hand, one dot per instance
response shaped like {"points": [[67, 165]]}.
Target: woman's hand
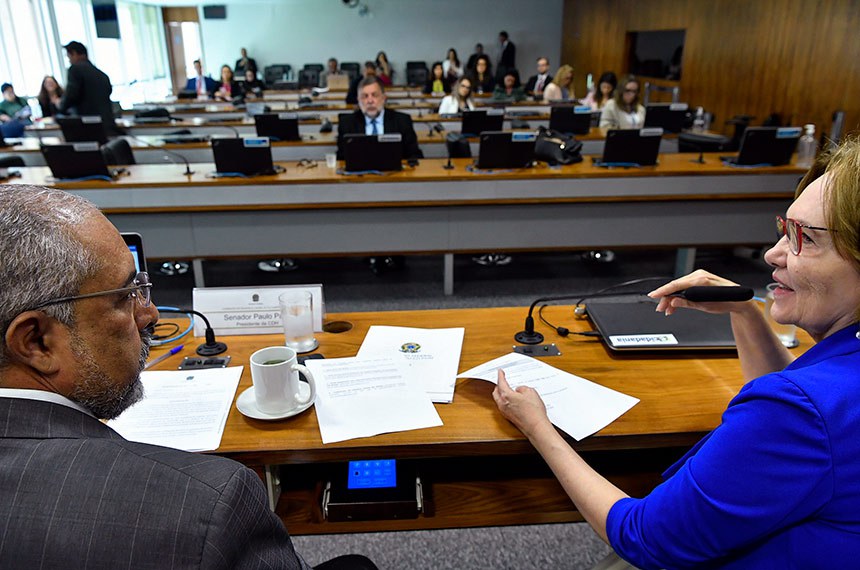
{"points": [[522, 407], [667, 304]]}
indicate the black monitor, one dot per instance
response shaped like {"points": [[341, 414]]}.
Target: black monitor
{"points": [[364, 153], [76, 160], [83, 129], [278, 126], [570, 119], [135, 245], [668, 116], [476, 122], [249, 156], [506, 149], [766, 146], [631, 147]]}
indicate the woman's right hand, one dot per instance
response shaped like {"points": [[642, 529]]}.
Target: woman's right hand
{"points": [[668, 303]]}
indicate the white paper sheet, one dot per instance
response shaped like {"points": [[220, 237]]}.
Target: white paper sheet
{"points": [[575, 405], [433, 355], [183, 409], [361, 397]]}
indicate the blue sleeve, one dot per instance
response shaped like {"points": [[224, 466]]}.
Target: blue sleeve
{"points": [[765, 467]]}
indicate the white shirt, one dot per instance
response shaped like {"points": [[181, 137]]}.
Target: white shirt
{"points": [[450, 106], [446, 67], [43, 396], [368, 124], [540, 83]]}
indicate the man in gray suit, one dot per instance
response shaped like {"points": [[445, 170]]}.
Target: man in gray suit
{"points": [[74, 335]]}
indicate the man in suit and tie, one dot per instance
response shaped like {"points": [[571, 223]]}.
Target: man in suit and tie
{"points": [[507, 56], [536, 83], [75, 328], [204, 86], [88, 88]]}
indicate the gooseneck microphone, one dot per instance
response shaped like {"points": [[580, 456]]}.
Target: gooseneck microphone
{"points": [[715, 294], [211, 347], [168, 153], [528, 335]]}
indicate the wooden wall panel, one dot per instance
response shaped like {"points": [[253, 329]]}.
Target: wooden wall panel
{"points": [[799, 58]]}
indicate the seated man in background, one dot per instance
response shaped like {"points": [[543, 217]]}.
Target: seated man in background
{"points": [[75, 329], [332, 69], [352, 93], [536, 83], [14, 112], [204, 86]]}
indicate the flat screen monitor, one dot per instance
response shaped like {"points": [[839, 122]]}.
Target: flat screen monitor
{"points": [[249, 156], [668, 116], [278, 126], [476, 122], [83, 129], [134, 241], [631, 147], [766, 146], [570, 119], [506, 149], [364, 153], [76, 160]]}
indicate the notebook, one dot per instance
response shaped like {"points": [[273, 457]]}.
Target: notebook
{"points": [[506, 149], [249, 156], [570, 119], [278, 126], [765, 146], [668, 116], [77, 160], [364, 153], [476, 122], [631, 147], [83, 129]]}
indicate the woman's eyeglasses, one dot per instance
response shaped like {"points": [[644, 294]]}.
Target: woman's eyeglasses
{"points": [[794, 230]]}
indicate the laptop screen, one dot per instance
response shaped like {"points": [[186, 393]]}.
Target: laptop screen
{"points": [[134, 241]]}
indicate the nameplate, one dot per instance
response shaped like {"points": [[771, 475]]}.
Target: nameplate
{"points": [[582, 110], [787, 132], [522, 137], [492, 112], [643, 340], [249, 310], [286, 116], [89, 119], [256, 142], [678, 106], [389, 138], [85, 146], [651, 132]]}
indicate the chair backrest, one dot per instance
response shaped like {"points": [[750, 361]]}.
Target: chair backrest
{"points": [[650, 89], [317, 66], [118, 152], [416, 65], [278, 72], [309, 78], [351, 69], [416, 77]]}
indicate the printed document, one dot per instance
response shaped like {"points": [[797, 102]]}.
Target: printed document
{"points": [[183, 409], [432, 355], [361, 397], [575, 405]]}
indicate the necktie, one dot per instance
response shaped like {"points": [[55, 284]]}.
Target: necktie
{"points": [[539, 86], [373, 129]]}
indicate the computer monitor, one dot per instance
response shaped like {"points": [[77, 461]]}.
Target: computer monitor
{"points": [[364, 153], [570, 119], [249, 156], [476, 122], [134, 241], [631, 147], [506, 149], [766, 146], [76, 160], [83, 129], [278, 126], [668, 116]]}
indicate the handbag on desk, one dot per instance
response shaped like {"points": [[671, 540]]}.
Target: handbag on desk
{"points": [[556, 148]]}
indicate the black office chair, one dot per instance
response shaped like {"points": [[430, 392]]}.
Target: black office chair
{"points": [[416, 77], [11, 160], [315, 66], [309, 78], [458, 146], [273, 74], [352, 69], [118, 152]]}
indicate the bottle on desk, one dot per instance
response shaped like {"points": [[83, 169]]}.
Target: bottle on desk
{"points": [[699, 121], [806, 147]]}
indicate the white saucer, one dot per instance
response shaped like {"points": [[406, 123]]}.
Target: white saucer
{"points": [[246, 403]]}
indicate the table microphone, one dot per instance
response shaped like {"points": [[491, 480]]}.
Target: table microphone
{"points": [[211, 347], [714, 294], [167, 153]]}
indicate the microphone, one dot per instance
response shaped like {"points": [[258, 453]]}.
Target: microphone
{"points": [[234, 129], [439, 128], [167, 153], [211, 347], [701, 159], [714, 294], [528, 335], [430, 130]]}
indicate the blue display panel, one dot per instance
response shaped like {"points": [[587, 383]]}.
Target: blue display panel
{"points": [[372, 474]]}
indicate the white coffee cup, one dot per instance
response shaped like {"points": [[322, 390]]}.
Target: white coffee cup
{"points": [[331, 160], [787, 334], [275, 373]]}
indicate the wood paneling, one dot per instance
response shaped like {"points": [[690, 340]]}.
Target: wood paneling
{"points": [[180, 14], [798, 58]]}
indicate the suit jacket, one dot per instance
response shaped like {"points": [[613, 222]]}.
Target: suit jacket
{"points": [[239, 68], [532, 83], [508, 59], [75, 494], [88, 92], [211, 85], [392, 122]]}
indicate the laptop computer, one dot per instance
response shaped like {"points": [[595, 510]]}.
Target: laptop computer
{"points": [[338, 82], [476, 122], [765, 146], [134, 241], [631, 147], [506, 149], [83, 129], [629, 323], [364, 153], [278, 126], [570, 119], [77, 160], [668, 116], [249, 156]]}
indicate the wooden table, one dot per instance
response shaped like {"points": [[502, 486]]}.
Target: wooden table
{"points": [[477, 468]]}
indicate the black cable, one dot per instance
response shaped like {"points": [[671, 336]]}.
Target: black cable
{"points": [[211, 347], [173, 329]]}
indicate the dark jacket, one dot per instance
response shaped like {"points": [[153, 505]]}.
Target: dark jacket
{"points": [[88, 92], [392, 122], [211, 85]]}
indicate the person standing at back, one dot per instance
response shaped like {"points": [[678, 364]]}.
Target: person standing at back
{"points": [[507, 56], [88, 88]]}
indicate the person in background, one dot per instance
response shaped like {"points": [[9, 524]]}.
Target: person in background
{"points": [[88, 89], [624, 111], [244, 64], [12, 107], [451, 66], [510, 89], [777, 483], [437, 84], [473, 59], [507, 56], [538, 82], [331, 69], [352, 94], [459, 100], [50, 95], [603, 93], [561, 86], [383, 69], [482, 78], [229, 88], [252, 87], [204, 86]]}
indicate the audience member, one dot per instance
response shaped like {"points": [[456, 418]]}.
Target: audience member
{"points": [[331, 69], [451, 67], [75, 320], [507, 56], [252, 86], [482, 77], [473, 59], [244, 64], [229, 88], [624, 111], [352, 94], [603, 93], [204, 86], [88, 88], [383, 69], [538, 82], [50, 95], [561, 86], [437, 84], [510, 89], [12, 107], [459, 100]]}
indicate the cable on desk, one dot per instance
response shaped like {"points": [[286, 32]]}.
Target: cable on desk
{"points": [[475, 170], [360, 172], [178, 336]]}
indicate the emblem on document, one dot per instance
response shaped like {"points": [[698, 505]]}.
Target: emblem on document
{"points": [[410, 347]]}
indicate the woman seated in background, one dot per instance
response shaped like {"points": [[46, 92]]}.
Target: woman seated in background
{"points": [[228, 89], [253, 87], [459, 100], [482, 78], [451, 67], [777, 483], [510, 90], [436, 84], [50, 94], [624, 111], [561, 86], [383, 69], [603, 93]]}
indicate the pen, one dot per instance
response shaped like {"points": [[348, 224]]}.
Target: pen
{"points": [[164, 356]]}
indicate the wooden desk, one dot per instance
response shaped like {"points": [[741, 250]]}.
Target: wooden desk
{"points": [[478, 469]]}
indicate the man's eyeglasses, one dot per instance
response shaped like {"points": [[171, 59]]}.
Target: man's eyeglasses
{"points": [[140, 289], [794, 230]]}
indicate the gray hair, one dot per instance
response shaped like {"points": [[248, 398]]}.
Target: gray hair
{"points": [[41, 257]]}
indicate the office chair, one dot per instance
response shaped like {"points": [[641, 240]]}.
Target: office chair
{"points": [[352, 69], [417, 76], [315, 66], [118, 152], [309, 78], [11, 160]]}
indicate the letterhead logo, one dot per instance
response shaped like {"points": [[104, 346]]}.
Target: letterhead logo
{"points": [[410, 347]]}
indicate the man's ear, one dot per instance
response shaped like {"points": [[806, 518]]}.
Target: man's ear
{"points": [[36, 340]]}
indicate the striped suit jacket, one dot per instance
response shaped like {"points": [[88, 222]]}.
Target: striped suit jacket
{"points": [[75, 494]]}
